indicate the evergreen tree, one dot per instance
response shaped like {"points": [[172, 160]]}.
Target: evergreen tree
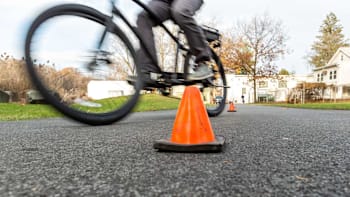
{"points": [[328, 42]]}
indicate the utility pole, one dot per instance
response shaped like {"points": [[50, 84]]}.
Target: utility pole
{"points": [[303, 93]]}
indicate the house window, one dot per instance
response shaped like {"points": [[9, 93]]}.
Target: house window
{"points": [[330, 75], [335, 74], [263, 84], [322, 77], [341, 58], [244, 91], [282, 84], [318, 77]]}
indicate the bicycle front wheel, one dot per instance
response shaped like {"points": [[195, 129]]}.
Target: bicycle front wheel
{"points": [[76, 71]]}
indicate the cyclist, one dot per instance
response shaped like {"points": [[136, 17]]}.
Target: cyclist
{"points": [[181, 12]]}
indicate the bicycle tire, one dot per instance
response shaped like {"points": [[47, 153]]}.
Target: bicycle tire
{"points": [[219, 77], [88, 117]]}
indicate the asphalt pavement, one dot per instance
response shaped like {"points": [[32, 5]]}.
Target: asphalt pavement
{"points": [[270, 151]]}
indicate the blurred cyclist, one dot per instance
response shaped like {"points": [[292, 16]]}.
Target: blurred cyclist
{"points": [[181, 12]]}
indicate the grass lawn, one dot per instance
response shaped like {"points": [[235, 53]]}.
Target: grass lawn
{"points": [[149, 102], [152, 102], [14, 111], [327, 106]]}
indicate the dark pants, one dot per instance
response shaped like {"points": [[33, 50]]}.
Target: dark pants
{"points": [[181, 12]]}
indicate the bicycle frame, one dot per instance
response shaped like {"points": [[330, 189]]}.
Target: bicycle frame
{"points": [[117, 12]]}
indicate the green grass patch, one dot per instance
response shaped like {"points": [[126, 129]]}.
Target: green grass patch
{"points": [[149, 102], [13, 111], [152, 102], [324, 106]]}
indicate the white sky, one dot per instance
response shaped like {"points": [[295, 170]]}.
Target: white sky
{"points": [[301, 19]]}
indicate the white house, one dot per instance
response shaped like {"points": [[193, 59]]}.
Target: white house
{"points": [[336, 75]]}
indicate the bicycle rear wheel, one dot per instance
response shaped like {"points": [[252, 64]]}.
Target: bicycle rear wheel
{"points": [[81, 78], [214, 95]]}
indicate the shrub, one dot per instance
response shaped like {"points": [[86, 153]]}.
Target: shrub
{"points": [[67, 82], [13, 76]]}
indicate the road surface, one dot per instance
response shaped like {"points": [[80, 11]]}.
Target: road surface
{"points": [[270, 151]]}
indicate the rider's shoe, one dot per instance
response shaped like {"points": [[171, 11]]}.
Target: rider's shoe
{"points": [[201, 72]]}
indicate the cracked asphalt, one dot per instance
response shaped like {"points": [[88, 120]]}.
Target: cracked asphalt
{"points": [[269, 151]]}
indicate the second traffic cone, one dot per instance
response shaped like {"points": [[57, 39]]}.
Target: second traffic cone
{"points": [[232, 107], [192, 131]]}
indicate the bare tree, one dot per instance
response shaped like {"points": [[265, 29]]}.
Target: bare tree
{"points": [[265, 39], [122, 61], [166, 47]]}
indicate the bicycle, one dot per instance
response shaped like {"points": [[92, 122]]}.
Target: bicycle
{"points": [[66, 81]]}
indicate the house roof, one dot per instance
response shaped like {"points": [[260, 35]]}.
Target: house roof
{"points": [[325, 67], [343, 50], [346, 50]]}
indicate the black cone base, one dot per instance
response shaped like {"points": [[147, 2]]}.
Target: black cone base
{"points": [[212, 147]]}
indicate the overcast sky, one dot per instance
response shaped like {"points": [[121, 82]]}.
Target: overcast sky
{"points": [[301, 19]]}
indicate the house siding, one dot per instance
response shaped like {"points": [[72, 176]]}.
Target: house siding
{"points": [[108, 89], [345, 70]]}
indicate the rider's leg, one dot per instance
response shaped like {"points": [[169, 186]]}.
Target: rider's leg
{"points": [[183, 12], [144, 26]]}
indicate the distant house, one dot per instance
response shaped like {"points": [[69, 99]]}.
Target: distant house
{"points": [[240, 85], [267, 89], [336, 75]]}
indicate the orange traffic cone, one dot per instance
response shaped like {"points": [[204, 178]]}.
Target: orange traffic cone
{"points": [[231, 107], [192, 131]]}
